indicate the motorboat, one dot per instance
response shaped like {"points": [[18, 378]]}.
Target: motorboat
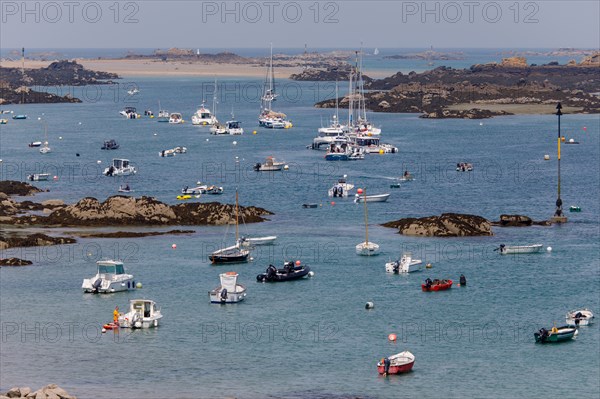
{"points": [[371, 198], [125, 188], [340, 189], [253, 241], [133, 91], [175, 118], [464, 167], [556, 334], [344, 152], [270, 165], [367, 248], [166, 153], [406, 264], [396, 364], [38, 177], [111, 277], [234, 128], [269, 118], [229, 291], [436, 285], [203, 117], [218, 129], [163, 115], [290, 271], [35, 144], [214, 190], [19, 116], [234, 253], [143, 313], [325, 139], [581, 317], [3, 121], [149, 113], [572, 141], [120, 167], [130, 113], [194, 190], [110, 145], [312, 205], [372, 145], [518, 249]]}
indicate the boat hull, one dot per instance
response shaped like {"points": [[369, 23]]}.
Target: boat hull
{"points": [[372, 198], [225, 259], [370, 249], [563, 334], [523, 249], [231, 297], [405, 368], [280, 276]]}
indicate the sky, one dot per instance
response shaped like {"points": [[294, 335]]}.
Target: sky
{"points": [[288, 24]]}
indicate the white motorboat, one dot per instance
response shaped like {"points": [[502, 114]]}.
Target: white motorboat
{"points": [[125, 188], [229, 291], [252, 241], [234, 128], [111, 277], [270, 165], [166, 153], [120, 167], [35, 144], [269, 118], [38, 177], [367, 248], [464, 167], [133, 91], [130, 113], [202, 189], [218, 129], [372, 145], [175, 118], [581, 317], [344, 152], [143, 313], [203, 116], [371, 198], [325, 139], [406, 264], [341, 188], [518, 249]]}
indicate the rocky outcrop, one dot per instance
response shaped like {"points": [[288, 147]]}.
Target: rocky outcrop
{"points": [[51, 391], [518, 221], [446, 225], [12, 187], [134, 234], [514, 62], [15, 262], [144, 211], [591, 60], [33, 240]]}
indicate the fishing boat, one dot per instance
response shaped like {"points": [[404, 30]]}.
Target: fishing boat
{"points": [[35, 144], [371, 198], [175, 118], [130, 113], [234, 127], [267, 117], [38, 177], [110, 145], [143, 313], [518, 249], [120, 167], [406, 264], [436, 285], [234, 253], [556, 334], [373, 145], [289, 272], [367, 248], [229, 291], [341, 188], [19, 116], [270, 165], [396, 364], [110, 277], [581, 317], [252, 241]]}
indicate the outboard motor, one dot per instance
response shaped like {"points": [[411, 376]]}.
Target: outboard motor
{"points": [[223, 295], [463, 280], [96, 285], [386, 365], [257, 167]]}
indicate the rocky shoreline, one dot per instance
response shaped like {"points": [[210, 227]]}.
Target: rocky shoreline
{"points": [[51, 391], [482, 90]]}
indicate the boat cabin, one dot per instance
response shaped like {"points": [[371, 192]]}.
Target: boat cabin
{"points": [[144, 307], [107, 268]]}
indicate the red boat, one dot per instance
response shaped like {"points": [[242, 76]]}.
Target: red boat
{"points": [[436, 285], [396, 364]]}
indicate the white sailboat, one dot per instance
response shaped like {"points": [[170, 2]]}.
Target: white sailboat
{"points": [[234, 253], [269, 118], [367, 248], [359, 124], [163, 114], [45, 148], [333, 132]]}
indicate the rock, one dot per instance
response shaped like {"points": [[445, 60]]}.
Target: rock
{"points": [[25, 391], [591, 60], [53, 202], [15, 262], [35, 240], [14, 392], [12, 187], [446, 225], [518, 221]]}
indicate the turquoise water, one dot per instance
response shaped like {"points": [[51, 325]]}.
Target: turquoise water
{"points": [[310, 338]]}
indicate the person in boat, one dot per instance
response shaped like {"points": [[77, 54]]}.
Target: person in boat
{"points": [[428, 282], [578, 317], [127, 187], [288, 267], [116, 315], [386, 365], [543, 334], [463, 280], [111, 170], [406, 174]]}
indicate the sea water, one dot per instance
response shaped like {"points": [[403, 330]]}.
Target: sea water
{"points": [[308, 338]]}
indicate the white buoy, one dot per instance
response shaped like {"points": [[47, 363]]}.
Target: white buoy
{"points": [[369, 305], [311, 274], [234, 143], [549, 249], [60, 137], [206, 139], [99, 161], [156, 134], [286, 167], [79, 123], [39, 118], [103, 330], [480, 123], [571, 140], [251, 259], [547, 157]]}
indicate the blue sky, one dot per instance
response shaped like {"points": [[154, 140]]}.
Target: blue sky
{"points": [[214, 24]]}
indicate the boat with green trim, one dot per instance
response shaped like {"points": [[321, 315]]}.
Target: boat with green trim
{"points": [[556, 334]]}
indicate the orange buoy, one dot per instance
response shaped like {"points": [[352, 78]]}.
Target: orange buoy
{"points": [[332, 203], [174, 246], [360, 191], [298, 263], [392, 337]]}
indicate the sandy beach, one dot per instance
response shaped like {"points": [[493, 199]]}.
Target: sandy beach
{"points": [[146, 67]]}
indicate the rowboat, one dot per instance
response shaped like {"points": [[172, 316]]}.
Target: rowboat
{"points": [[581, 317], [556, 334], [371, 198], [519, 249], [436, 285], [251, 241]]}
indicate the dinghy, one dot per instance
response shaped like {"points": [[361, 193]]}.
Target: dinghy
{"points": [[518, 249], [396, 364], [229, 291], [556, 334], [289, 272], [581, 317]]}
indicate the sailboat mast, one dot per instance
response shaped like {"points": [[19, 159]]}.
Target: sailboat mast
{"points": [[350, 98], [215, 99], [366, 219], [236, 218], [337, 116]]}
